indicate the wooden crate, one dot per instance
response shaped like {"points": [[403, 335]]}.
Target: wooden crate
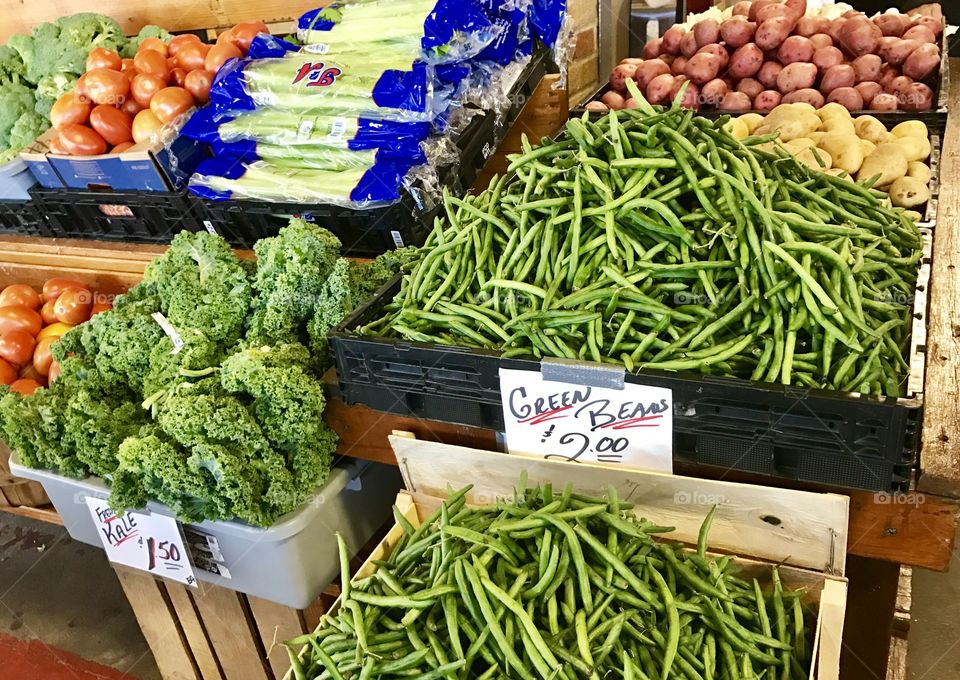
{"points": [[803, 532]]}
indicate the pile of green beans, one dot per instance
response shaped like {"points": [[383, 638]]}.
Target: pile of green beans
{"points": [[654, 239], [555, 587]]}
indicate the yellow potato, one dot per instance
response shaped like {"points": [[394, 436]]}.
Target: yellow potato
{"points": [[815, 159], [867, 147], [833, 110], [919, 170], [797, 145], [844, 149], [837, 172], [838, 124], [752, 120], [913, 215], [888, 161], [915, 148], [738, 128], [909, 192], [911, 128], [871, 129]]}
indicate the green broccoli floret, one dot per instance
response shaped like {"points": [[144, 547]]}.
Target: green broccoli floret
{"points": [[16, 101], [12, 68], [149, 31], [202, 285], [292, 269], [62, 46], [49, 90], [30, 126]]}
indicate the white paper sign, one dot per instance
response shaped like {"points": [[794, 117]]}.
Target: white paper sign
{"points": [[146, 541], [632, 427]]}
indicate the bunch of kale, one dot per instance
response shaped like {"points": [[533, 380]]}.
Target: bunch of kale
{"points": [[228, 426]]}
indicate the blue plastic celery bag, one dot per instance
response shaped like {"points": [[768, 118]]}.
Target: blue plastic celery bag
{"points": [[353, 84], [316, 157], [439, 31], [546, 19], [513, 36], [264, 46]]}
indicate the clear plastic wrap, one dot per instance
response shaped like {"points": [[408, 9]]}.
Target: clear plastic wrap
{"points": [[355, 84], [439, 31]]}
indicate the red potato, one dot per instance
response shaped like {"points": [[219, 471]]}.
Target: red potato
{"points": [[688, 45], [884, 102], [899, 85], [795, 77], [671, 39], [768, 73], [767, 100], [636, 61], [798, 7], [867, 67], [613, 100], [847, 97], [827, 57], [923, 62], [702, 68], [918, 98], [649, 70], [652, 49], [859, 36], [896, 51], [706, 32], [716, 49], [868, 90], [887, 73], [805, 96], [618, 79], [835, 27], [772, 12], [691, 95], [758, 5], [667, 58], [750, 87], [821, 40], [679, 65], [892, 24], [737, 31], [735, 101], [745, 61], [596, 106], [631, 104], [807, 26], [771, 33], [713, 92], [934, 24], [921, 33], [841, 75], [658, 90], [795, 48], [742, 8]]}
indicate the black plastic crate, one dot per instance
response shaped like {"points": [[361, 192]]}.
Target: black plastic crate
{"points": [[23, 217], [138, 216], [780, 432]]}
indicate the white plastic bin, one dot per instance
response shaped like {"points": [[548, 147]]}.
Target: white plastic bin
{"points": [[289, 563], [15, 180]]}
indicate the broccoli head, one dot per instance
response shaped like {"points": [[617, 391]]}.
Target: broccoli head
{"points": [[49, 90], [149, 31], [202, 285], [62, 46], [17, 101], [292, 269], [12, 68]]}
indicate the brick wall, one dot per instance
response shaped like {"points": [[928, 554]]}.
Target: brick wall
{"points": [[583, 78]]}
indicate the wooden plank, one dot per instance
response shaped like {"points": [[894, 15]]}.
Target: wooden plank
{"points": [[940, 448], [833, 603], [897, 660], [45, 514], [158, 621], [870, 605], [204, 655], [781, 525], [232, 634], [17, 16], [275, 624]]}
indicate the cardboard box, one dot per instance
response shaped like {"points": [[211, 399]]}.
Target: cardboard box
{"points": [[804, 533], [143, 167]]}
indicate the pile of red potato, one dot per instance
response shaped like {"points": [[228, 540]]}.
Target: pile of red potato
{"points": [[769, 52]]}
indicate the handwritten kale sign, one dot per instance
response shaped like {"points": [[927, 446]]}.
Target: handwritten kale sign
{"points": [[632, 427], [146, 541]]}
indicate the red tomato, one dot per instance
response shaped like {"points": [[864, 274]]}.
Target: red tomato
{"points": [[127, 67], [17, 347], [170, 103], [144, 86], [225, 38], [79, 140], [53, 287], [46, 312], [120, 148], [80, 87], [131, 107], [19, 294], [145, 126], [73, 306], [100, 307], [112, 124], [25, 387], [245, 32], [105, 86], [69, 109], [57, 147], [198, 84], [101, 57], [151, 61], [178, 41], [192, 55], [20, 318], [54, 371], [30, 373], [153, 44], [42, 356], [219, 54], [7, 372], [177, 76], [54, 330]]}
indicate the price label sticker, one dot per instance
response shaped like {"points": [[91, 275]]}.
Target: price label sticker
{"points": [[171, 332], [146, 541], [632, 426]]}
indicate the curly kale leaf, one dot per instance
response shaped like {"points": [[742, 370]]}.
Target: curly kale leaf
{"points": [[202, 285], [292, 269], [198, 357]]}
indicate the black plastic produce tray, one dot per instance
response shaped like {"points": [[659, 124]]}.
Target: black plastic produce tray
{"points": [[24, 218], [812, 436], [139, 216]]}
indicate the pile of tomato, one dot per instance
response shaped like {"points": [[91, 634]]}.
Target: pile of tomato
{"points": [[30, 322]]}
